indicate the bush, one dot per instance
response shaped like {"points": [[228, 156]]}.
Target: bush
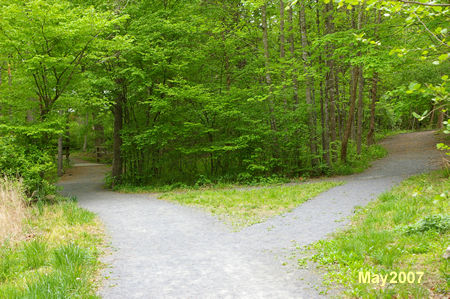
{"points": [[34, 165]]}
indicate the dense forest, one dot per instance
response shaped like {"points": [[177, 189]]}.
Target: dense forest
{"points": [[204, 91]]}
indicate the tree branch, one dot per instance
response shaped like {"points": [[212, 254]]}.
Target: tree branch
{"points": [[422, 3], [430, 32]]}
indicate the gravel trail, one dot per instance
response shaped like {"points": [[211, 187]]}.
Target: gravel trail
{"points": [[165, 250]]}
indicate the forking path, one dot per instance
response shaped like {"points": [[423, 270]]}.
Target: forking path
{"points": [[165, 250]]}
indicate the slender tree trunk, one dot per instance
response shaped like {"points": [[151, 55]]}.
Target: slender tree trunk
{"points": [[329, 82], [432, 116], [59, 163], [361, 89], [360, 111], [351, 113], [337, 106], [85, 137], [67, 140], [440, 120], [60, 156], [267, 65], [117, 140], [282, 53], [308, 86], [373, 95], [292, 51]]}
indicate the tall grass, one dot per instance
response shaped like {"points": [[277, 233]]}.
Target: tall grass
{"points": [[58, 258], [12, 210]]}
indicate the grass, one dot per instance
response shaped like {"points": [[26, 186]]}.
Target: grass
{"points": [[55, 255], [12, 210], [406, 229], [244, 207]]}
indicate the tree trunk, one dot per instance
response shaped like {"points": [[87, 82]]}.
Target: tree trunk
{"points": [[360, 111], [292, 51], [273, 124], [117, 141], [60, 156], [329, 82], [373, 95], [361, 89], [351, 113], [85, 137], [337, 106], [308, 86], [440, 120], [282, 52]]}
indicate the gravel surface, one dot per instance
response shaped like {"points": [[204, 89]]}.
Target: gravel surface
{"points": [[165, 250]]}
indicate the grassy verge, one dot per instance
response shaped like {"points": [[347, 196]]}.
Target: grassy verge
{"points": [[405, 230], [55, 255], [243, 207]]}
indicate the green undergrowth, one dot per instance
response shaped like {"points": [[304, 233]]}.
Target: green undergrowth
{"points": [[405, 230], [57, 255], [244, 207], [355, 164], [359, 163], [204, 183]]}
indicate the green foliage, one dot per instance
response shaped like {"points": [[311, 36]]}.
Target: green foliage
{"points": [[29, 162], [404, 230], [200, 98]]}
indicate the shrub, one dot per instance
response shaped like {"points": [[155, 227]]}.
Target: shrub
{"points": [[29, 162]]}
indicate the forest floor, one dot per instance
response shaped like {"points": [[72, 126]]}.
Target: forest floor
{"points": [[163, 249]]}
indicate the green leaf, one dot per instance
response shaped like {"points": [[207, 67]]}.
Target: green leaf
{"points": [[443, 57]]}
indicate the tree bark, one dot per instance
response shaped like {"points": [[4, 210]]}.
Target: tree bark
{"points": [[117, 141], [351, 113], [60, 156], [440, 120], [373, 95], [329, 84], [361, 89], [282, 52], [308, 87], [85, 137], [360, 111], [273, 124], [292, 51]]}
